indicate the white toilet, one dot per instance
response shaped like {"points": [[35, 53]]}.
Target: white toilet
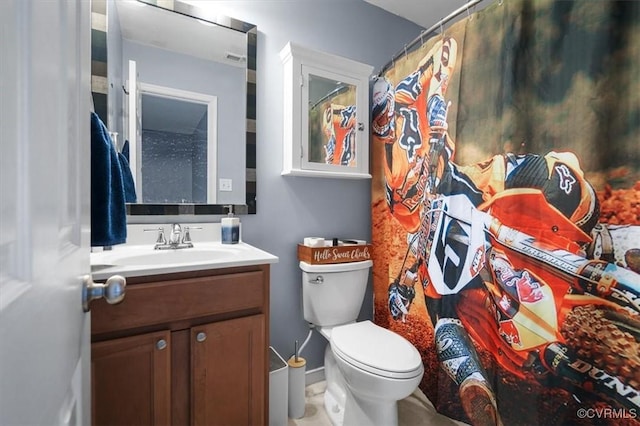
{"points": [[367, 368]]}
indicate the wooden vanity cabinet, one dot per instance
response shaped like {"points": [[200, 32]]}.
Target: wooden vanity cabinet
{"points": [[183, 349]]}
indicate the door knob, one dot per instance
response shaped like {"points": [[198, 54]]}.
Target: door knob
{"points": [[112, 291]]}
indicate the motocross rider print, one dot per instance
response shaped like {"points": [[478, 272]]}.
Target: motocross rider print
{"points": [[506, 212]]}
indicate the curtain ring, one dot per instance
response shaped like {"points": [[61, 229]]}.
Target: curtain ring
{"points": [[442, 26], [422, 35], [405, 51], [468, 13]]}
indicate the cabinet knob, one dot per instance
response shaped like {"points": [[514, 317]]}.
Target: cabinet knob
{"points": [[161, 344], [201, 337]]}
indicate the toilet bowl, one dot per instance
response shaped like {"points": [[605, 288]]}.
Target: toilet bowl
{"points": [[367, 368], [378, 367]]}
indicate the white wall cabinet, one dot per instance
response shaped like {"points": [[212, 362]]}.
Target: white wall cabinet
{"points": [[326, 114]]}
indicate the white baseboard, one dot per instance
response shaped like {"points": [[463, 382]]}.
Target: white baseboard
{"points": [[314, 376]]}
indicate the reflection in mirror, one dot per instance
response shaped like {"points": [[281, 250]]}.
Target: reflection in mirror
{"points": [[177, 155], [332, 122], [185, 48]]}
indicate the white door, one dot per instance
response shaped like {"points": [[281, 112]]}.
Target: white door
{"points": [[44, 211]]}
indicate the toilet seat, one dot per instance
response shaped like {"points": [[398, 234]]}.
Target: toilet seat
{"points": [[377, 350]]}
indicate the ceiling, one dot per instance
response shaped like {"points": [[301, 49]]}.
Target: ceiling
{"points": [[422, 12]]}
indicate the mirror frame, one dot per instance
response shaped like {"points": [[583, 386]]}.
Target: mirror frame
{"points": [[251, 32]]}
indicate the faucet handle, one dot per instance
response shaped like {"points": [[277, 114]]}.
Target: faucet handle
{"points": [[161, 239], [186, 238]]}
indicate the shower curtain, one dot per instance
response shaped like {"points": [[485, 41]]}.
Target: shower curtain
{"points": [[526, 113]]}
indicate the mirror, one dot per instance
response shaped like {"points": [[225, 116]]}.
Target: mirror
{"points": [[180, 87], [332, 122]]}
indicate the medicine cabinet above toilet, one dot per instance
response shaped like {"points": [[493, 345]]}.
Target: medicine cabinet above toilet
{"points": [[326, 114]]}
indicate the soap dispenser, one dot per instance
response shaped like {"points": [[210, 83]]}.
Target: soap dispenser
{"points": [[230, 227]]}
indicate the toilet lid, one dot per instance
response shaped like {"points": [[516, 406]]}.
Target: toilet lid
{"points": [[376, 350]]}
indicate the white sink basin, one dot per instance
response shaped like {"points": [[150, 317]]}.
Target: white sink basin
{"points": [[165, 257], [136, 260], [135, 255]]}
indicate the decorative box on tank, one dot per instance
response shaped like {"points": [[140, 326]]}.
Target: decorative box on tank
{"points": [[323, 251]]}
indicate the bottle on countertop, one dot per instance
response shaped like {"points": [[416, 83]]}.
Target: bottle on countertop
{"points": [[230, 228]]}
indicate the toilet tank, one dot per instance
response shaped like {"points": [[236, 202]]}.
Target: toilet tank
{"points": [[332, 294]]}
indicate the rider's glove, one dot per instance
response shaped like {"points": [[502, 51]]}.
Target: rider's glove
{"points": [[437, 111], [329, 150]]}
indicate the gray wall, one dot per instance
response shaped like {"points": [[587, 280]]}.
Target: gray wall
{"points": [[290, 208]]}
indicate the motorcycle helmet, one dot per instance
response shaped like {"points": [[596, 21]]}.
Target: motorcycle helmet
{"points": [[383, 108]]}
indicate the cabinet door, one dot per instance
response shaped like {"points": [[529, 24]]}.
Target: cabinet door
{"points": [[131, 380], [229, 373]]}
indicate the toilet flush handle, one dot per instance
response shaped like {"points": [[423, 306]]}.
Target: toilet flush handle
{"points": [[318, 280]]}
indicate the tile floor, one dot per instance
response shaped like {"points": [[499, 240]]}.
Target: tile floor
{"points": [[415, 410]]}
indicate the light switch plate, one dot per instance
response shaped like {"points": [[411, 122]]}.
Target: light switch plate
{"points": [[225, 185]]}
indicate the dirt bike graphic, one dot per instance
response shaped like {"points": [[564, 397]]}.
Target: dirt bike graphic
{"points": [[527, 293]]}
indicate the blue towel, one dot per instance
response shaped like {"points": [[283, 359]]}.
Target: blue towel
{"points": [[127, 177], [108, 210]]}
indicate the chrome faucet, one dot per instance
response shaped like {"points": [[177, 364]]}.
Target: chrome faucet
{"points": [[177, 240]]}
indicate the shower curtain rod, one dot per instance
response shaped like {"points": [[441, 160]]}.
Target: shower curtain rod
{"points": [[431, 29]]}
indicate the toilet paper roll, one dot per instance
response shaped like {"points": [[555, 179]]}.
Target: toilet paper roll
{"points": [[314, 242], [296, 386]]}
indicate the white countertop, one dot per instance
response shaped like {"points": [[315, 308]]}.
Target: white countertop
{"points": [[138, 257]]}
